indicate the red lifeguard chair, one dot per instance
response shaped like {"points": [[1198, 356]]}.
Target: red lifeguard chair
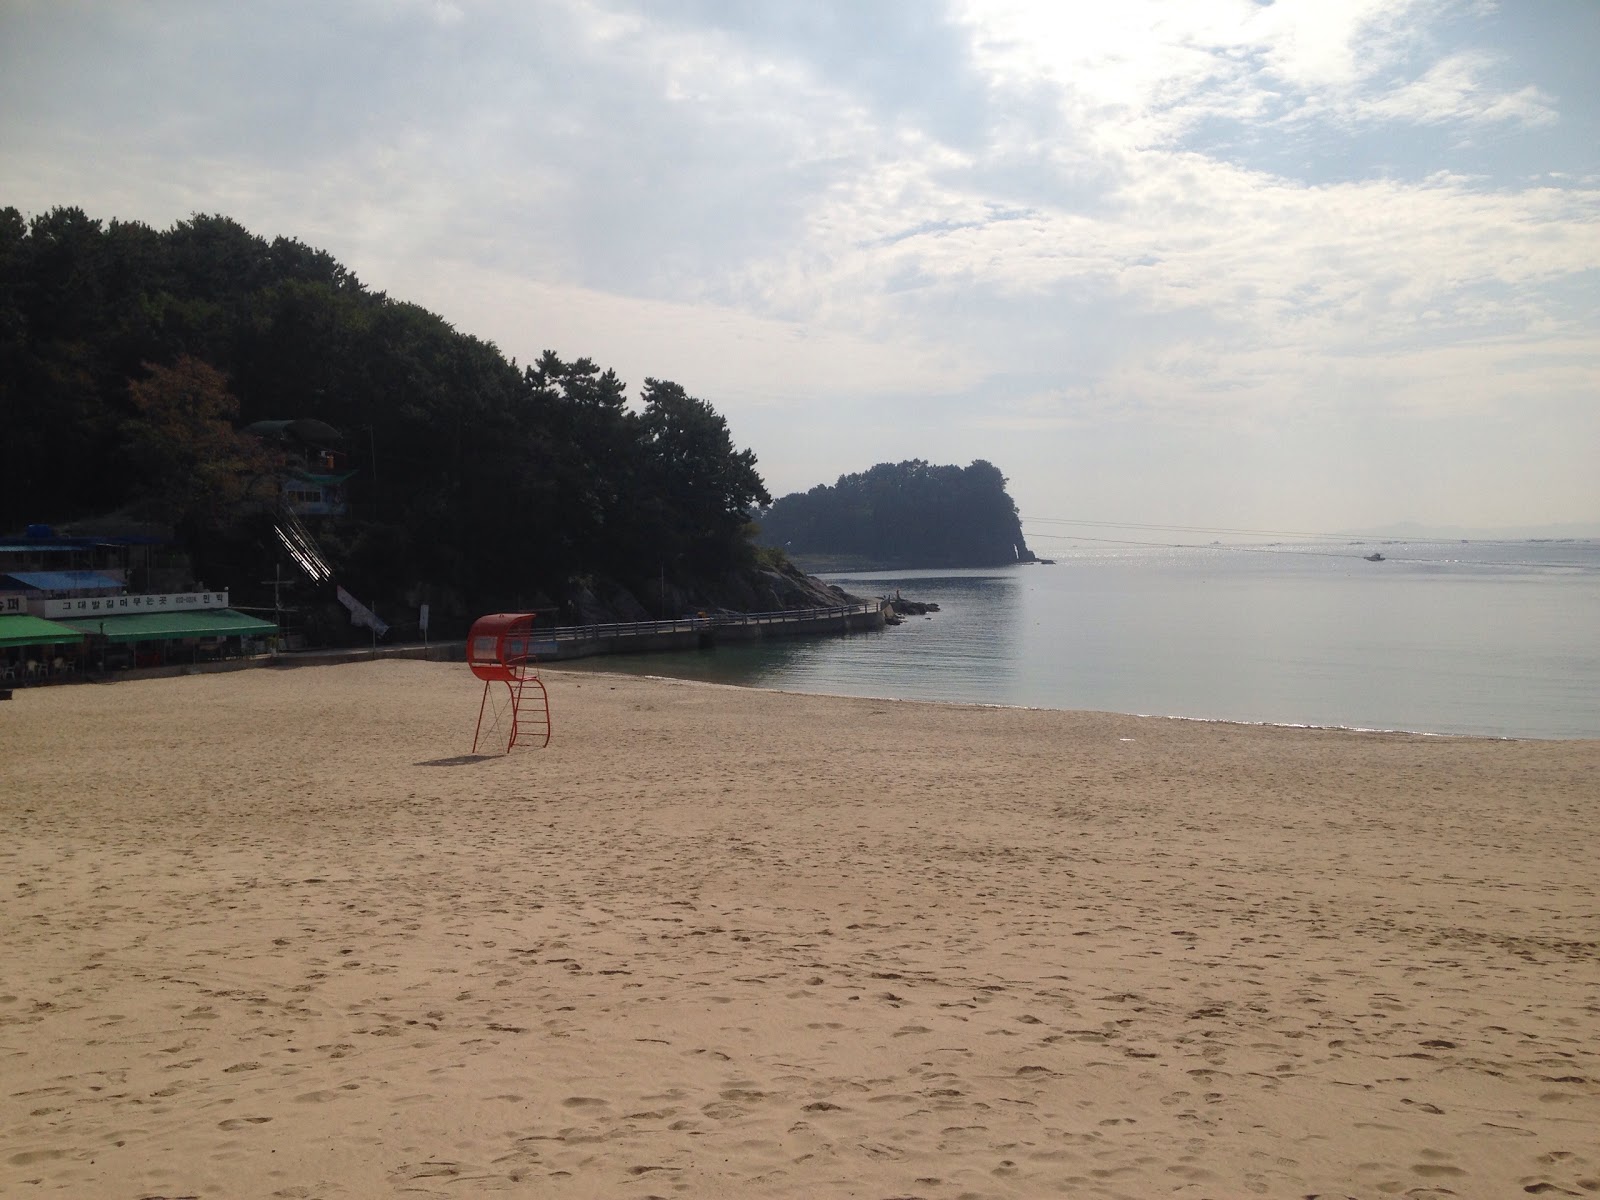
{"points": [[498, 651]]}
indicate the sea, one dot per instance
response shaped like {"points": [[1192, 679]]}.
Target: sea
{"points": [[1488, 639]]}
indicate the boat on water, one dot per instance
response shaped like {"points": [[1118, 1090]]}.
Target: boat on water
{"points": [[1373, 557]]}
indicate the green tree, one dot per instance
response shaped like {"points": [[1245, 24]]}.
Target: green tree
{"points": [[708, 488], [474, 478]]}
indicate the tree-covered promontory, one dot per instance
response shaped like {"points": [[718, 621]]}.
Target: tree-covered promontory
{"points": [[908, 514], [132, 360]]}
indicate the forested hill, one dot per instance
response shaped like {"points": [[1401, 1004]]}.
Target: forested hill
{"points": [[131, 358], [908, 514]]}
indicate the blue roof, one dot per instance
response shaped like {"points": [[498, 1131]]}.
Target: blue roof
{"points": [[61, 541], [64, 581]]}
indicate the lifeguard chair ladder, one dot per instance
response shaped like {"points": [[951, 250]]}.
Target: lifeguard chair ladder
{"points": [[498, 652]]}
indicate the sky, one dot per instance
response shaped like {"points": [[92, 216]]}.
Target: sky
{"points": [[1306, 265]]}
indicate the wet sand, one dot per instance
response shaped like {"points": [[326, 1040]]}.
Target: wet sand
{"points": [[277, 933]]}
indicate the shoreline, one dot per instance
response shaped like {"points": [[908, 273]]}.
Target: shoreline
{"points": [[445, 652], [454, 651], [278, 934], [979, 704]]}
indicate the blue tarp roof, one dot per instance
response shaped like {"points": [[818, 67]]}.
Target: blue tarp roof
{"points": [[63, 581]]}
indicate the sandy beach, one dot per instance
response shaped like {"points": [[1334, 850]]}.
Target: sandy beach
{"points": [[277, 933]]}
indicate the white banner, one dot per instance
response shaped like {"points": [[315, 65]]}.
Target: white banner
{"points": [[360, 614], [88, 606]]}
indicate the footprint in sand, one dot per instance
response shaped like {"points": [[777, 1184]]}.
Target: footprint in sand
{"points": [[1436, 1170], [32, 1156], [1423, 1106], [426, 1170]]}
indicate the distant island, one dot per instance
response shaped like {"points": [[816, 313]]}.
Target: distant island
{"points": [[900, 515], [1417, 531]]}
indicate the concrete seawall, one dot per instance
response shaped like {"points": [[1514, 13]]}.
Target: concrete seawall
{"points": [[700, 632]]}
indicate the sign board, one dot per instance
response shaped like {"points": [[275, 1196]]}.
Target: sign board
{"points": [[87, 606], [360, 614]]}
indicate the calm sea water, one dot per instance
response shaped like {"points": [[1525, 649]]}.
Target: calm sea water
{"points": [[1485, 638]]}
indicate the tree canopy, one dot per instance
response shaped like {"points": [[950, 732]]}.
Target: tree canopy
{"points": [[194, 468], [907, 514], [129, 355]]}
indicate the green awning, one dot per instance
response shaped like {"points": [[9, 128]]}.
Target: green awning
{"points": [[167, 626], [23, 630]]}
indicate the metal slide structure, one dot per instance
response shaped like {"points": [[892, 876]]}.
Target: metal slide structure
{"points": [[313, 563], [302, 547]]}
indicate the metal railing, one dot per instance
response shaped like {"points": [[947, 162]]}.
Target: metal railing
{"points": [[697, 624]]}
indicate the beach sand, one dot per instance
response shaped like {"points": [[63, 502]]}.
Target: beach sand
{"points": [[276, 933]]}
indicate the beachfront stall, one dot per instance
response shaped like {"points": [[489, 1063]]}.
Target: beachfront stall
{"points": [[33, 649], [154, 639]]}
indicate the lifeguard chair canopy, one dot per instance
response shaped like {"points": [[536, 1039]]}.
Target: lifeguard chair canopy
{"points": [[499, 650], [497, 646]]}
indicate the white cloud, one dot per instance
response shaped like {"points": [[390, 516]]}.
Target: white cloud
{"points": [[1061, 218], [1143, 73], [728, 356], [1455, 89], [1335, 44]]}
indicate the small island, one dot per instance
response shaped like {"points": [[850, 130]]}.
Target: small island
{"points": [[900, 515]]}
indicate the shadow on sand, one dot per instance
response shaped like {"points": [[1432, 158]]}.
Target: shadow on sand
{"points": [[460, 760]]}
